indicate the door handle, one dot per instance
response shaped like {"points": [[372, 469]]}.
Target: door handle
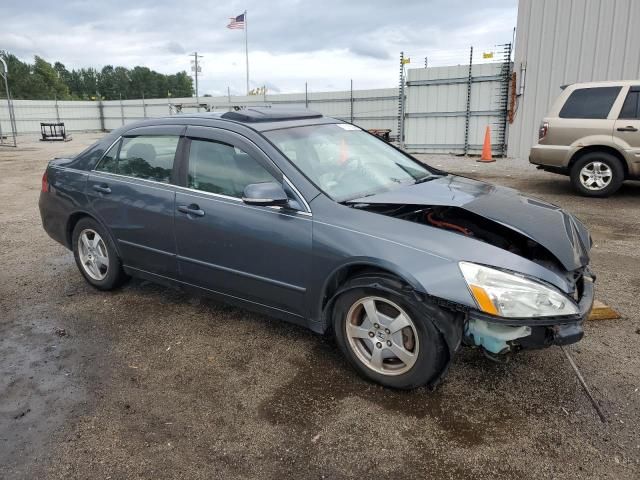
{"points": [[102, 188], [628, 128], [192, 209]]}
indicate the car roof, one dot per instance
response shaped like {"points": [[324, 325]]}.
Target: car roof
{"points": [[604, 83], [265, 118]]}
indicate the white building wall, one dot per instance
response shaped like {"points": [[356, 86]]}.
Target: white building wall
{"points": [[567, 41], [376, 108]]}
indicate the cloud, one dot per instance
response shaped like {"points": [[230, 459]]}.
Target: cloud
{"points": [[175, 47], [325, 43]]}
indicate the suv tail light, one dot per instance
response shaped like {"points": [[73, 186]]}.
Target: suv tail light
{"points": [[544, 128], [45, 182]]}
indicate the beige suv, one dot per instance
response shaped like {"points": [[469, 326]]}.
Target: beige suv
{"points": [[592, 134]]}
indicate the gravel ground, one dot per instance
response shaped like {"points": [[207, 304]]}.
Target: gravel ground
{"points": [[150, 382]]}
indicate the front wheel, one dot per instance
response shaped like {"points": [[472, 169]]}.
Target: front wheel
{"points": [[597, 174], [387, 335]]}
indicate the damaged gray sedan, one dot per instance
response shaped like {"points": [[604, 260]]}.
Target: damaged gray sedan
{"points": [[315, 221]]}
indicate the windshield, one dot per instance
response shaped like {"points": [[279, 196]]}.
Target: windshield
{"points": [[346, 162]]}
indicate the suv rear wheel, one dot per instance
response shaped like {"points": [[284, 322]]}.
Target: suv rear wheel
{"points": [[597, 174]]}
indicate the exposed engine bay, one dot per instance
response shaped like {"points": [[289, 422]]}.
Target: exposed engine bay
{"points": [[463, 222]]}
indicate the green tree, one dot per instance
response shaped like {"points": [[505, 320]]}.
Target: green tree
{"points": [[122, 82], [41, 80]]}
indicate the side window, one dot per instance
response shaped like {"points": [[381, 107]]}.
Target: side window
{"points": [[631, 107], [148, 157], [109, 162], [590, 102], [220, 168]]}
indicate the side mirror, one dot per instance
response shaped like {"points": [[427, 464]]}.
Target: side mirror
{"points": [[265, 194]]}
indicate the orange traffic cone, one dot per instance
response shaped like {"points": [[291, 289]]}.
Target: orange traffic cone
{"points": [[486, 148]]}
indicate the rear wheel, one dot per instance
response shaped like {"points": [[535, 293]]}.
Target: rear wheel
{"points": [[387, 335], [96, 256], [597, 174]]}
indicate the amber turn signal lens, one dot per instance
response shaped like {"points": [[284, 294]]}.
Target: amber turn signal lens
{"points": [[483, 300]]}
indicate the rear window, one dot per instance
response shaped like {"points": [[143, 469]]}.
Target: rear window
{"points": [[631, 106], [590, 102], [148, 157]]}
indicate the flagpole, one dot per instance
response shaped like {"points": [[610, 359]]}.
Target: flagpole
{"points": [[246, 46]]}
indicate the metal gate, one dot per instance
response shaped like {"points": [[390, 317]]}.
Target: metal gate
{"points": [[447, 109]]}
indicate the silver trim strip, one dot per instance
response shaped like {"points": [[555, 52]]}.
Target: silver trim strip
{"points": [[69, 169], [237, 201], [209, 194], [297, 192], [168, 186]]}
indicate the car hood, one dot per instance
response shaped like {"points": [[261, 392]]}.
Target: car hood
{"points": [[550, 226]]}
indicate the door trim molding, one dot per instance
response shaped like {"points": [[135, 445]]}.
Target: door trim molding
{"points": [[222, 294], [278, 283], [144, 247]]}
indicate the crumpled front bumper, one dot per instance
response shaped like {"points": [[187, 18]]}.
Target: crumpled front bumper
{"points": [[501, 335]]}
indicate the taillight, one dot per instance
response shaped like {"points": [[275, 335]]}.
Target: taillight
{"points": [[544, 128], [45, 182]]}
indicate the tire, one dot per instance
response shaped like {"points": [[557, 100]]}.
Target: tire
{"points": [[97, 260], [421, 338], [607, 174]]}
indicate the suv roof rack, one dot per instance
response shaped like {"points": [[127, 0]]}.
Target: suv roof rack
{"points": [[261, 114]]}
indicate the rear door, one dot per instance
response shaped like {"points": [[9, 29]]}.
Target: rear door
{"points": [[626, 130], [258, 254], [130, 191]]}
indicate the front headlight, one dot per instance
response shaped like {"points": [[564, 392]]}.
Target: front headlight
{"points": [[510, 295]]}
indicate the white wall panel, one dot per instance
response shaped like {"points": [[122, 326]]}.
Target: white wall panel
{"points": [[437, 102], [567, 41]]}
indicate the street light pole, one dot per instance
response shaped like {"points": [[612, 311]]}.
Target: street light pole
{"points": [[196, 69], [12, 118]]}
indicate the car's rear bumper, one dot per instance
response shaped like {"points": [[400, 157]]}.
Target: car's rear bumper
{"points": [[498, 334], [554, 156]]}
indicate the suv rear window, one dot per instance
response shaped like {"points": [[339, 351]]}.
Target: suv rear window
{"points": [[590, 102], [631, 106]]}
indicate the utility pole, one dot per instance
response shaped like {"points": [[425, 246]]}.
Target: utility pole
{"points": [[351, 102], [246, 46], [12, 119], [196, 69]]}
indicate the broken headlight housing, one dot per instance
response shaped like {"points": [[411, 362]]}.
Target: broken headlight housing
{"points": [[515, 296]]}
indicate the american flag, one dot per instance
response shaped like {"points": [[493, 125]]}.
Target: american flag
{"points": [[236, 23]]}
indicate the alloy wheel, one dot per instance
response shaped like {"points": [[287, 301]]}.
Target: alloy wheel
{"points": [[93, 254], [382, 335], [595, 175]]}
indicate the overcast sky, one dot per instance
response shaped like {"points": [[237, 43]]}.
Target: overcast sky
{"points": [[324, 42]]}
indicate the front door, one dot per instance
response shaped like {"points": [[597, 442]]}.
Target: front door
{"points": [[257, 254], [131, 193], [626, 131]]}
